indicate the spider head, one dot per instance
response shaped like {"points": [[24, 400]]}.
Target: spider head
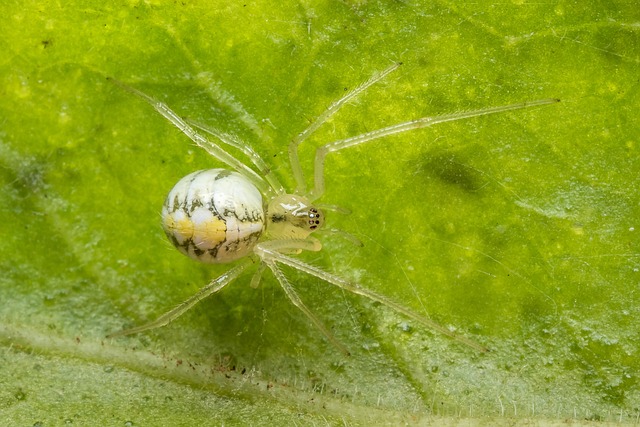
{"points": [[292, 217]]}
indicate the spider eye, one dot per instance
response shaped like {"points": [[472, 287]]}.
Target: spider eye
{"points": [[315, 218]]}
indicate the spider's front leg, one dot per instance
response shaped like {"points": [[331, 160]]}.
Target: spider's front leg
{"points": [[323, 151]]}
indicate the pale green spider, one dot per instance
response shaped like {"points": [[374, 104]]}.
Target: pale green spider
{"points": [[220, 216]]}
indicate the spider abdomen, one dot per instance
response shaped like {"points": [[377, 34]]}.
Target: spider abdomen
{"points": [[214, 216]]}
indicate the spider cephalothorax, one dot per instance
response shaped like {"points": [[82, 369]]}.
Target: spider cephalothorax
{"points": [[293, 217]]}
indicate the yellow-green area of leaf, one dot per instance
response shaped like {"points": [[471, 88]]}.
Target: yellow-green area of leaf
{"points": [[517, 229]]}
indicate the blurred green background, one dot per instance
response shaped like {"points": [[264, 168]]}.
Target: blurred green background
{"points": [[518, 230]]}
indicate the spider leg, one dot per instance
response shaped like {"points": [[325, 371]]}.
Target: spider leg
{"points": [[201, 141], [248, 151], [322, 152], [271, 256], [333, 208], [257, 275], [333, 108], [214, 286], [344, 234], [263, 249], [295, 300]]}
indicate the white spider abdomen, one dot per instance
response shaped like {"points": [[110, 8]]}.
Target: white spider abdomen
{"points": [[214, 216]]}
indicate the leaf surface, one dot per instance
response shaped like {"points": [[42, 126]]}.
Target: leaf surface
{"points": [[517, 230]]}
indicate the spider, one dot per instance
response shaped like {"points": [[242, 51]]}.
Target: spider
{"points": [[221, 216]]}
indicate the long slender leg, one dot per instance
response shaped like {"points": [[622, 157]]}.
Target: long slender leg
{"points": [[333, 108], [255, 158], [333, 208], [322, 152], [214, 286], [201, 141], [346, 235], [272, 256], [257, 275], [309, 244], [295, 299]]}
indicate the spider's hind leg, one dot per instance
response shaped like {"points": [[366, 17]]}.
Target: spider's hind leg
{"points": [[214, 286]]}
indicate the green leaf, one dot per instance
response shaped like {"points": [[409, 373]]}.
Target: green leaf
{"points": [[518, 230]]}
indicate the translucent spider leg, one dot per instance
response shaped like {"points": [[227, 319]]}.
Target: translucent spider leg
{"points": [[271, 256], [214, 286], [322, 152], [295, 300], [255, 158], [333, 108], [341, 233], [210, 147]]}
